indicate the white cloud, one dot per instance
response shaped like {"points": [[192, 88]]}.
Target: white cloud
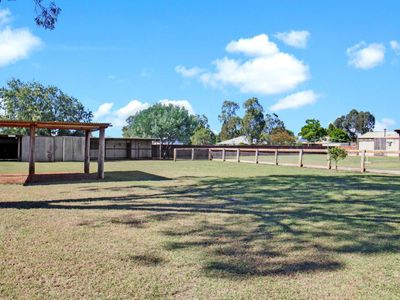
{"points": [[15, 44], [294, 38], [296, 100], [130, 109], [5, 16], [383, 124], [103, 110], [395, 45], [181, 103], [117, 117], [255, 46], [188, 72], [269, 71], [363, 56]]}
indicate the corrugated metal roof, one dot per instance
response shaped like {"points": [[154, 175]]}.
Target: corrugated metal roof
{"points": [[54, 125], [379, 134], [235, 141]]}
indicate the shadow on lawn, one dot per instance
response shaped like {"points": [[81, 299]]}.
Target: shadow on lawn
{"points": [[112, 176], [277, 225]]}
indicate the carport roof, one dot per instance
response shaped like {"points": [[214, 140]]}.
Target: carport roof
{"points": [[54, 125]]}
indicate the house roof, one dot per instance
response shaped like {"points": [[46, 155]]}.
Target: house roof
{"points": [[379, 134], [235, 141]]}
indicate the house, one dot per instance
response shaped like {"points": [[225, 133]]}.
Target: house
{"points": [[380, 140]]}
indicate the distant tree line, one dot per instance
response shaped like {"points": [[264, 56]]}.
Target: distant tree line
{"points": [[171, 124]]}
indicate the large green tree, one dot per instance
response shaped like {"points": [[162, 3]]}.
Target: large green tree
{"points": [[253, 120], [169, 123], [337, 135], [272, 122], [281, 137], [312, 131], [32, 101], [231, 123], [355, 123], [203, 135]]}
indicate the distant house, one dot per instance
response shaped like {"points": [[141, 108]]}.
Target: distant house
{"points": [[380, 140], [240, 140]]}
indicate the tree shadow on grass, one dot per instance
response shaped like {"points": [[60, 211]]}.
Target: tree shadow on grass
{"points": [[264, 226], [113, 176]]}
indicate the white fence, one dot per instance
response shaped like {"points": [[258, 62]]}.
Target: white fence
{"points": [[357, 160]]}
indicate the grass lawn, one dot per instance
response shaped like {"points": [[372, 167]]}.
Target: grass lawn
{"points": [[203, 230], [372, 163]]}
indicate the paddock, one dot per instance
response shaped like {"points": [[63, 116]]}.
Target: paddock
{"points": [[200, 229]]}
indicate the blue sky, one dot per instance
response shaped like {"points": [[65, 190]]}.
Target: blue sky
{"points": [[302, 59]]}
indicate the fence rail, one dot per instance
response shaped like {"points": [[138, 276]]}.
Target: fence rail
{"points": [[359, 160]]}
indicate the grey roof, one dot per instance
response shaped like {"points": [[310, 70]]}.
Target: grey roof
{"points": [[235, 141], [379, 134]]}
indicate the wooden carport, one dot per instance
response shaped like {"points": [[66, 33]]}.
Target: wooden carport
{"points": [[86, 127]]}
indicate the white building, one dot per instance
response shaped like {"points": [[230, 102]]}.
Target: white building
{"points": [[380, 140]]}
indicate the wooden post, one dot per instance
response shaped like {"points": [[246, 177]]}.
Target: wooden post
{"points": [[256, 157], [174, 154], [238, 155], [301, 158], [209, 154], [87, 152], [19, 147], [223, 154], [192, 153], [276, 157], [362, 161], [101, 154], [329, 164], [32, 131]]}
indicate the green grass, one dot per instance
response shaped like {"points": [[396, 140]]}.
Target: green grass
{"points": [[372, 163], [201, 230]]}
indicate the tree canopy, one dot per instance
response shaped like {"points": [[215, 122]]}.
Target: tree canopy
{"points": [[203, 135], [337, 135], [231, 123], [273, 122], [281, 137], [169, 123], [355, 123], [312, 131], [33, 101], [253, 121]]}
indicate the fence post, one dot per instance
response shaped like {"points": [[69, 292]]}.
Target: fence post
{"points": [[301, 158], [256, 157], [276, 157], [329, 164], [363, 161], [174, 154], [223, 154], [192, 153], [238, 155], [209, 154]]}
